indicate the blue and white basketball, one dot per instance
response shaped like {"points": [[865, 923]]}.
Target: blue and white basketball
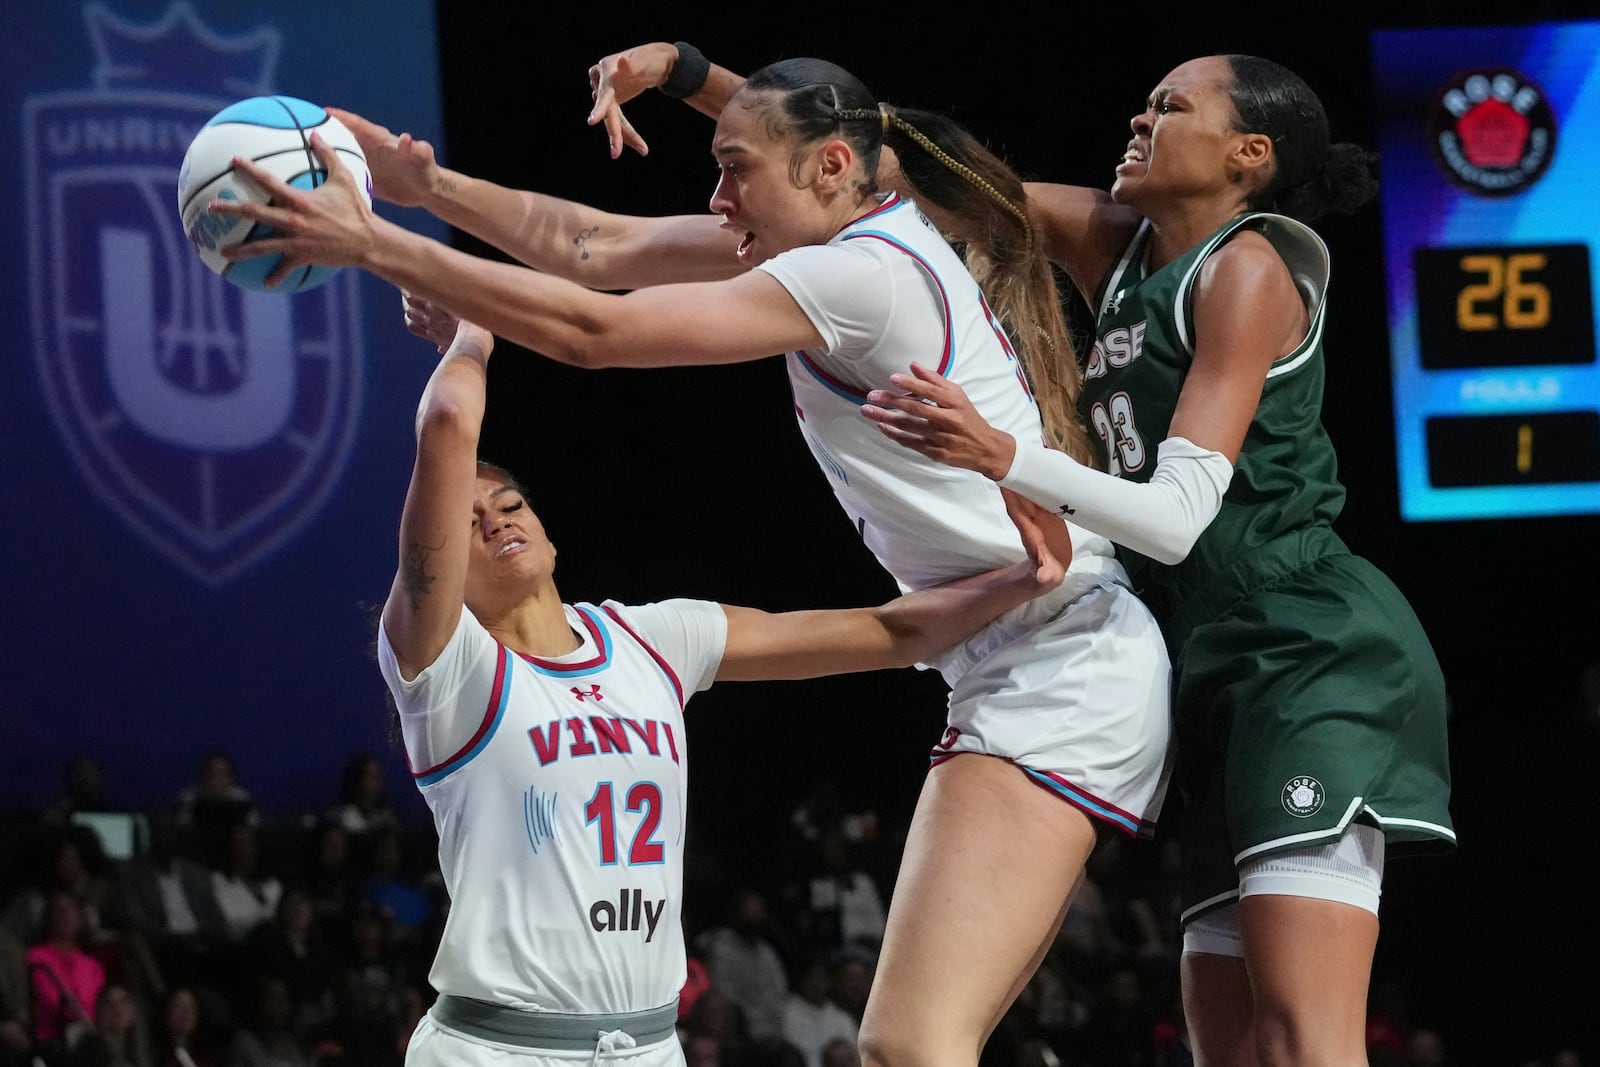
{"points": [[274, 132]]}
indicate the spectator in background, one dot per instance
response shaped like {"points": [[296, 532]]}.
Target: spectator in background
{"points": [[84, 791], [389, 888], [702, 1050], [247, 895], [714, 1030], [266, 1040], [697, 982], [810, 1018], [368, 991], [745, 964], [64, 979], [165, 899], [120, 1037], [331, 880], [293, 948], [72, 861], [16, 1029], [1425, 1048], [183, 1040], [213, 804], [843, 905], [840, 1053], [363, 797], [1087, 938], [850, 980]]}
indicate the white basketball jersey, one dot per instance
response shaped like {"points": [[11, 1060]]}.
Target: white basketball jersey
{"points": [[886, 291], [558, 788]]}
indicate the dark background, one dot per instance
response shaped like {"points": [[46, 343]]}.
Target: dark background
{"points": [[694, 482]]}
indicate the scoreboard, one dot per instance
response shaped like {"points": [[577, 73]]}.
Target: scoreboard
{"points": [[1489, 148]]}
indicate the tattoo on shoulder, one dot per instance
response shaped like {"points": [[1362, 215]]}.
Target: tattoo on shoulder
{"points": [[582, 240], [414, 576]]}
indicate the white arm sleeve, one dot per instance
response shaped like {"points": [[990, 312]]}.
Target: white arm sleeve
{"points": [[1161, 518]]}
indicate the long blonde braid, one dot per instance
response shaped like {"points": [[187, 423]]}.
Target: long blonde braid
{"points": [[1019, 282]]}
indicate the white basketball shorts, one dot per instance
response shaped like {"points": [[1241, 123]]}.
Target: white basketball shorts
{"points": [[1077, 695]]}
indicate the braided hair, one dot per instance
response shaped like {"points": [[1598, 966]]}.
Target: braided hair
{"points": [[945, 166]]}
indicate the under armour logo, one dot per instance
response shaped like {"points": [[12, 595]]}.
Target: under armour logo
{"points": [[1064, 509], [594, 691], [1116, 302]]}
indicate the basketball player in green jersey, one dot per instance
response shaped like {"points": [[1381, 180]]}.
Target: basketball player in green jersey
{"points": [[1310, 708]]}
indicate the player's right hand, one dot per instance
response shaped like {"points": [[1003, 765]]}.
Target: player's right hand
{"points": [[620, 77], [1044, 536], [403, 169], [332, 225]]}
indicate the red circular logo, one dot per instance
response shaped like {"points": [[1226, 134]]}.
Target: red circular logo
{"points": [[1492, 131]]}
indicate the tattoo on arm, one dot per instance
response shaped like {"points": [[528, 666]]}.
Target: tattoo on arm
{"points": [[582, 239], [447, 186], [414, 576]]}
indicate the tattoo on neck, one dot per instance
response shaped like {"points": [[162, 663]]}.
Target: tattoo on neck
{"points": [[581, 241], [414, 576]]}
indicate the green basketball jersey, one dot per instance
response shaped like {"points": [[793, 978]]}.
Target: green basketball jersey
{"points": [[1285, 493]]}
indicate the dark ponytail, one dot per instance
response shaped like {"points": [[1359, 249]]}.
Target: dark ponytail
{"points": [[1313, 176]]}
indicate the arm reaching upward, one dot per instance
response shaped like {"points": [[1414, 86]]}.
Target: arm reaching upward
{"points": [[425, 601], [621, 76], [597, 249]]}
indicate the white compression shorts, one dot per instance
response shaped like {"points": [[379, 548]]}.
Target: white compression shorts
{"points": [[1349, 871]]}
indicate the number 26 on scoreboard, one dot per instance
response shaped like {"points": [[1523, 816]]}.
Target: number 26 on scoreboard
{"points": [[1506, 306], [1507, 295]]}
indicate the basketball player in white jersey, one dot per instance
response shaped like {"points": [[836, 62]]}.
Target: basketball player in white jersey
{"points": [[548, 739], [1058, 716]]}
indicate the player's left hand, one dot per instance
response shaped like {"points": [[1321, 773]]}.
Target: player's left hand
{"points": [[620, 77], [429, 320], [404, 170], [934, 417], [332, 225]]}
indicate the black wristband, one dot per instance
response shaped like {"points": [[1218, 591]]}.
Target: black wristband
{"points": [[689, 73]]}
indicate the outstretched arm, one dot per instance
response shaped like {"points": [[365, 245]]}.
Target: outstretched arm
{"points": [[621, 76], [909, 629], [597, 249], [1083, 230], [425, 601], [748, 317]]}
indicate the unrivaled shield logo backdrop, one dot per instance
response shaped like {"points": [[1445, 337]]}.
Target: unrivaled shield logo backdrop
{"points": [[202, 481]]}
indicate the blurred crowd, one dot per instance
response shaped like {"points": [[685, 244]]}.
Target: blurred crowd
{"points": [[204, 934]]}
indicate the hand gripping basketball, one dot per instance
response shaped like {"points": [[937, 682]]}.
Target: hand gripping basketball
{"points": [[331, 225]]}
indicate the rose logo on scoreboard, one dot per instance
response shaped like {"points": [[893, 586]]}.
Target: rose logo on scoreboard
{"points": [[1492, 131], [213, 420]]}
